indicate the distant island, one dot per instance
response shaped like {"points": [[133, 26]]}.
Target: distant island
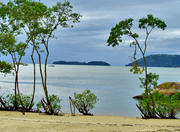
{"points": [[92, 63], [160, 60]]}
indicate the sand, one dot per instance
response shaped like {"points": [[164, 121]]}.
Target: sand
{"points": [[35, 122]]}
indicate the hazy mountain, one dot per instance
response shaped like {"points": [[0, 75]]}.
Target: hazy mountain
{"points": [[96, 63], [160, 60]]}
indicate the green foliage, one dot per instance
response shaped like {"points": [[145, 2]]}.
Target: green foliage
{"points": [[152, 22], [20, 48], [39, 22], [152, 79], [55, 103], [85, 102], [155, 104], [12, 100], [146, 106], [147, 103], [124, 28], [7, 40], [8, 45], [164, 106], [39, 106], [5, 67], [26, 100], [136, 69]]}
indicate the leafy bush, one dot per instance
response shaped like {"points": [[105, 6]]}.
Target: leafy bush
{"points": [[167, 106], [155, 104], [55, 103], [26, 100], [5, 67], [146, 108], [146, 104], [85, 102], [12, 102]]}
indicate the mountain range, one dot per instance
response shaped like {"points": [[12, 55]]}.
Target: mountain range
{"points": [[159, 60]]}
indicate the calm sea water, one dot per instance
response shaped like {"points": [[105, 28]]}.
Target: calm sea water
{"points": [[114, 86]]}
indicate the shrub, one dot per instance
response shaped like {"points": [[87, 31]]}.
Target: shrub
{"points": [[146, 107], [146, 104], [163, 106], [55, 102], [26, 100], [10, 100], [85, 102], [167, 106]]}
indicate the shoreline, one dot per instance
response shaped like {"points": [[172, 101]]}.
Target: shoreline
{"points": [[39, 122]]}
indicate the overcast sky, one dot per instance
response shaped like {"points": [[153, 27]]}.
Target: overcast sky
{"points": [[87, 40]]}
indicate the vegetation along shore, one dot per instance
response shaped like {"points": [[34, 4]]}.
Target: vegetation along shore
{"points": [[39, 22]]}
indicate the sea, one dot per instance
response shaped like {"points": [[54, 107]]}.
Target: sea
{"points": [[113, 85]]}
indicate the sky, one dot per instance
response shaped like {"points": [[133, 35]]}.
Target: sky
{"points": [[87, 41]]}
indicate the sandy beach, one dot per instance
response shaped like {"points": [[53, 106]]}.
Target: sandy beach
{"points": [[35, 122]]}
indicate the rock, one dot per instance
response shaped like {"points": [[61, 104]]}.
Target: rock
{"points": [[167, 88], [138, 97]]}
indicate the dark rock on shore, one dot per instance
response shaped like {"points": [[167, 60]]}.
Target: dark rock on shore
{"points": [[167, 88]]}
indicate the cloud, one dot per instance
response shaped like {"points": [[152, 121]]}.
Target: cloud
{"points": [[88, 39]]}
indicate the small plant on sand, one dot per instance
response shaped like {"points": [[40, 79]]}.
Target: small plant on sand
{"points": [[167, 106], [26, 100], [85, 102], [147, 103], [55, 102], [157, 105], [10, 101]]}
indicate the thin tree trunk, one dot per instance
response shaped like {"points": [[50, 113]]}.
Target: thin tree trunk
{"points": [[34, 84], [17, 83], [43, 83], [45, 78], [15, 94]]}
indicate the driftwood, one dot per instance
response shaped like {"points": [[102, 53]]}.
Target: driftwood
{"points": [[72, 107], [83, 110], [2, 102]]}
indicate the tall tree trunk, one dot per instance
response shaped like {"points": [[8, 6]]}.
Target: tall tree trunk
{"points": [[146, 85], [15, 94], [17, 84], [44, 83], [34, 84], [147, 93]]}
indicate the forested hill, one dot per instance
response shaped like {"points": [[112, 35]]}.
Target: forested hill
{"points": [[160, 60], [96, 63]]}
